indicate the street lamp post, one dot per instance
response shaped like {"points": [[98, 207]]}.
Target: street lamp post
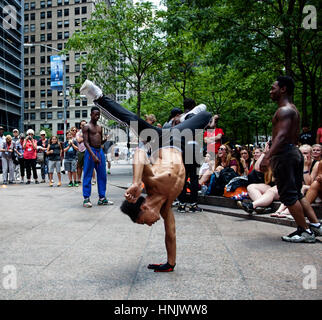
{"points": [[64, 78]]}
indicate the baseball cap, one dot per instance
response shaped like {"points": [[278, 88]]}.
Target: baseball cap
{"points": [[42, 132], [1, 128]]}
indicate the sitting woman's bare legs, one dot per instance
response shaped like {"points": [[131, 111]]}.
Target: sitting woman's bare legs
{"points": [[267, 198], [256, 190]]}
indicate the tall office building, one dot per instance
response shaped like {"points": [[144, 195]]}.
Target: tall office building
{"points": [[11, 64], [49, 24]]}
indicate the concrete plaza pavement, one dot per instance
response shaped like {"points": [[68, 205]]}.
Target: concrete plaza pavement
{"points": [[61, 250]]}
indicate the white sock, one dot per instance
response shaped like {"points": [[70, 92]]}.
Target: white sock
{"points": [[308, 231], [315, 224]]}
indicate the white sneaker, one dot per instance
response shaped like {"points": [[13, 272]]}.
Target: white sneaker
{"points": [[91, 90]]}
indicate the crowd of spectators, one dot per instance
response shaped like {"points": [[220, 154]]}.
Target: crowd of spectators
{"points": [[20, 154]]}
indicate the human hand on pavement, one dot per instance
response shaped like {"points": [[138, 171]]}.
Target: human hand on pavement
{"points": [[133, 193]]}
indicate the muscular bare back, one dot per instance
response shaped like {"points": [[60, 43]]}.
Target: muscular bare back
{"points": [[286, 121]]}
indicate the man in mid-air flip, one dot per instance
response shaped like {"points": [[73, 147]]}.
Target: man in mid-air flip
{"points": [[287, 162], [163, 180]]}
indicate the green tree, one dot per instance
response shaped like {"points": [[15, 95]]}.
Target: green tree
{"points": [[125, 47]]}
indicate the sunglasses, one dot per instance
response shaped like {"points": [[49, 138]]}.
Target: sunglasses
{"points": [[222, 149]]}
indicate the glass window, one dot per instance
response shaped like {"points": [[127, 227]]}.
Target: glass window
{"points": [[26, 94], [49, 3], [77, 102], [77, 113], [26, 28], [42, 37], [77, 22], [60, 126], [26, 39], [49, 36], [32, 72], [32, 28], [66, 12], [48, 70], [84, 20], [32, 93], [49, 104], [26, 105], [84, 103], [59, 114], [43, 93], [42, 81], [26, 72], [66, 23], [59, 2], [26, 6], [49, 93], [67, 68], [32, 60], [42, 106], [42, 15], [59, 35], [67, 114], [77, 1], [42, 4], [26, 61], [59, 24], [84, 10], [49, 15], [59, 46], [42, 59], [49, 25], [77, 68], [32, 116], [59, 13], [32, 104], [26, 17], [84, 114], [77, 10], [42, 49], [42, 115], [26, 83], [32, 16], [32, 5], [43, 26], [42, 70], [26, 116], [32, 82], [66, 34], [26, 50], [59, 103], [48, 81], [49, 115], [66, 2], [32, 38], [49, 47]]}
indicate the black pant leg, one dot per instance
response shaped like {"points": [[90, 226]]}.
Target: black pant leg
{"points": [[28, 168], [34, 170]]}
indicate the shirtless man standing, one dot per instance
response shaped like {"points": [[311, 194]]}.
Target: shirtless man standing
{"points": [[94, 158], [163, 180], [287, 162]]}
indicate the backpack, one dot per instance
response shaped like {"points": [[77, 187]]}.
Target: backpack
{"points": [[219, 180]]}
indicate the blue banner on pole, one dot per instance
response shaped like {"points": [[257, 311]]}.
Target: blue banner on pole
{"points": [[56, 70]]}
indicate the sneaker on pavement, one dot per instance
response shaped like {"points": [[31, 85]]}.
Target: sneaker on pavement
{"points": [[91, 90], [108, 171], [76, 184], [181, 207], [87, 203], [59, 184], [175, 203], [300, 236], [51, 183], [104, 202], [316, 230], [246, 206], [36, 182], [192, 208], [263, 210], [93, 182], [70, 184]]}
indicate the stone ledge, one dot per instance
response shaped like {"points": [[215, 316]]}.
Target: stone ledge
{"points": [[230, 203]]}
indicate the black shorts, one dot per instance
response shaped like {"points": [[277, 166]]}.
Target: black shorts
{"points": [[287, 169]]}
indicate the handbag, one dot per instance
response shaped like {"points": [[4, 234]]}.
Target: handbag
{"points": [[40, 157]]}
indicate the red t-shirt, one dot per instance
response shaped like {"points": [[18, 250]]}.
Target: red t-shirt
{"points": [[213, 147], [30, 152], [319, 132]]}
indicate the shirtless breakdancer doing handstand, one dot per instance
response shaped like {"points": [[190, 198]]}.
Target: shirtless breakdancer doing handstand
{"points": [[163, 179]]}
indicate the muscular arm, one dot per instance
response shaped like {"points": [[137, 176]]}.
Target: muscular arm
{"points": [[139, 161], [285, 126], [170, 233]]}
